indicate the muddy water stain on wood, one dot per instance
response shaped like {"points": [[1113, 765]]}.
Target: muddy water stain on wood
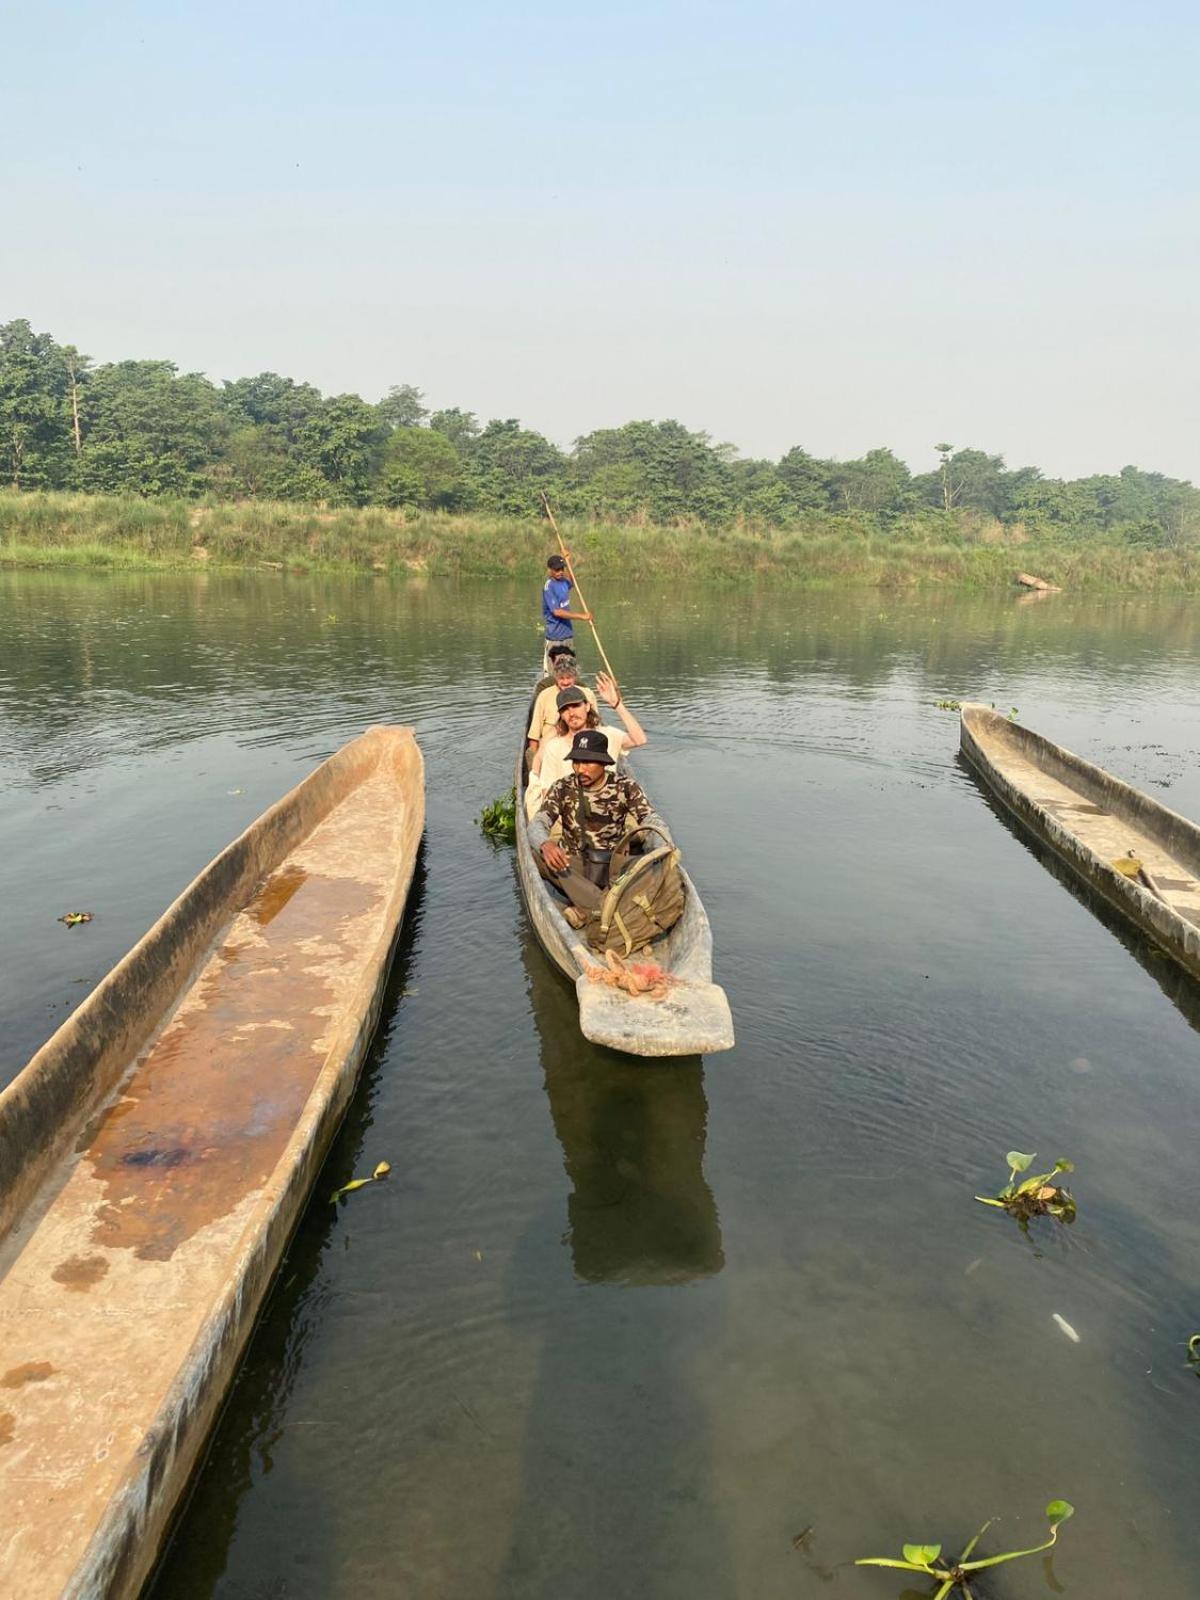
{"points": [[275, 893], [80, 1272], [7, 1424], [29, 1372], [201, 1123]]}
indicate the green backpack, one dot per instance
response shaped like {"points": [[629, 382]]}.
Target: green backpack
{"points": [[644, 899]]}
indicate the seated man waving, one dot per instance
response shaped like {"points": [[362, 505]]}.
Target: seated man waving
{"points": [[552, 758]]}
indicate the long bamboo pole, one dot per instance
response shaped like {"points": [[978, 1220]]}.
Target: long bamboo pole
{"points": [[566, 555]]}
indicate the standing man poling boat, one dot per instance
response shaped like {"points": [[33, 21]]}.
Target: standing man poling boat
{"points": [[556, 593]]}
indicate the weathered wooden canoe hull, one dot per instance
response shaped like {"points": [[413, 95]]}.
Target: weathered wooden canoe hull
{"points": [[145, 1225], [1107, 819], [693, 1019]]}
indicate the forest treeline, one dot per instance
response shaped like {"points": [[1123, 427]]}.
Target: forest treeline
{"points": [[145, 428]]}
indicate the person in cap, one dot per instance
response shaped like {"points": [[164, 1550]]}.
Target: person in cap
{"points": [[556, 594], [552, 759], [543, 720], [595, 807]]}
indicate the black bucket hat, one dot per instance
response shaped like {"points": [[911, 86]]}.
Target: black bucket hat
{"points": [[590, 745], [570, 697]]}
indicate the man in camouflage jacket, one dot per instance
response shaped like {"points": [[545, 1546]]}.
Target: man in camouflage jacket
{"points": [[595, 807]]}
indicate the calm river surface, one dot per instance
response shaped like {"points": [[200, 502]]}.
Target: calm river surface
{"points": [[616, 1330]]}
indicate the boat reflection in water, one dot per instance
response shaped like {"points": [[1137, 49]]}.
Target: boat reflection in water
{"points": [[614, 1490], [640, 1210]]}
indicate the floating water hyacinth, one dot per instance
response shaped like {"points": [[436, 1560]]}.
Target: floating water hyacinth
{"points": [[927, 1558], [381, 1171], [1036, 1196], [499, 819], [75, 919]]}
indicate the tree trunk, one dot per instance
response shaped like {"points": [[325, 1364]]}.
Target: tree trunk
{"points": [[75, 410]]}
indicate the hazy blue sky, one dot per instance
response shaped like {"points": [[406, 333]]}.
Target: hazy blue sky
{"points": [[838, 226]]}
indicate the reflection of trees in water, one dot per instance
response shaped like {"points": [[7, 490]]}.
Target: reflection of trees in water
{"points": [[616, 1491], [864, 638], [677, 637], [149, 660], [87, 656]]}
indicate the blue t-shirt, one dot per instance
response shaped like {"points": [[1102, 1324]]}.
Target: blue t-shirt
{"points": [[555, 595]]}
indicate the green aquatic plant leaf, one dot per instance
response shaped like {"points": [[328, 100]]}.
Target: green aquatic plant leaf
{"points": [[1058, 1511], [1019, 1162], [922, 1555]]}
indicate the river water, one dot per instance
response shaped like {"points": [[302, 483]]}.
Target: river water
{"points": [[630, 1330]]}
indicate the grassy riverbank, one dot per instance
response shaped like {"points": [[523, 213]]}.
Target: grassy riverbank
{"points": [[126, 532]]}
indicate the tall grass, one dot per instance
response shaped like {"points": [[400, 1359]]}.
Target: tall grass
{"points": [[826, 551]]}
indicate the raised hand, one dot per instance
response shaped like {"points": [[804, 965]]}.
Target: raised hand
{"points": [[607, 689]]}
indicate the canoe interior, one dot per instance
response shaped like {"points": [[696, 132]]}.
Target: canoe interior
{"points": [[693, 1019], [1093, 819], [176, 1125]]}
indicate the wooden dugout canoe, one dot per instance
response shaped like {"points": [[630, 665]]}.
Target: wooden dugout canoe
{"points": [[694, 1017], [1091, 820], [155, 1156]]}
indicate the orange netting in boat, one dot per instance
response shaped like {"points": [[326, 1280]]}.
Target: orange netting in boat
{"points": [[636, 978]]}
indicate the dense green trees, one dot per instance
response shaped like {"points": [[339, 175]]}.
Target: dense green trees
{"points": [[148, 429], [144, 427], [656, 468], [33, 408], [422, 468]]}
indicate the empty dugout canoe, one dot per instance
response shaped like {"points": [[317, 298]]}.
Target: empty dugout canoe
{"points": [[155, 1156], [693, 1018], [1093, 820]]}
